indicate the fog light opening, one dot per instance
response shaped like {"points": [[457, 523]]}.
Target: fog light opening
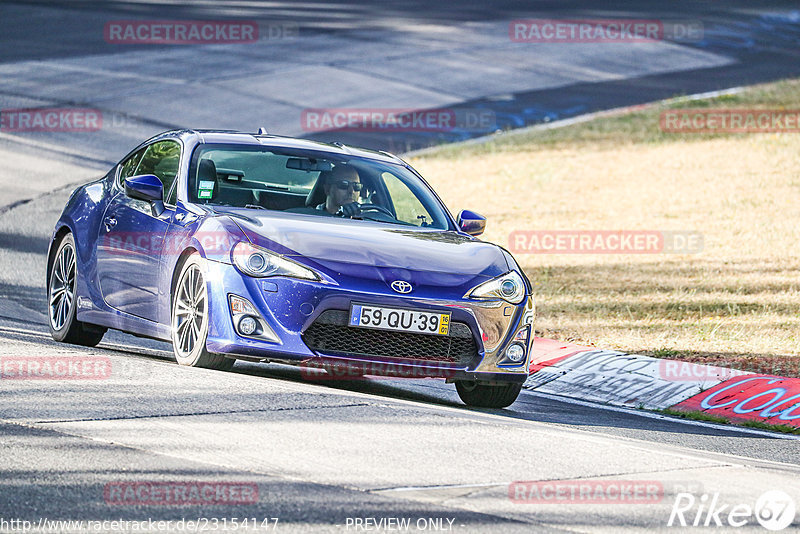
{"points": [[515, 353], [247, 325], [248, 322]]}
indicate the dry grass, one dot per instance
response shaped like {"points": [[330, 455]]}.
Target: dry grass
{"points": [[738, 300]]}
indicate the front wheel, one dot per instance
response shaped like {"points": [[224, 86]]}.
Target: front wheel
{"points": [[61, 308], [488, 396], [190, 319]]}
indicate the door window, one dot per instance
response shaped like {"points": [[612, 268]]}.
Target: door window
{"points": [[162, 159], [128, 167]]}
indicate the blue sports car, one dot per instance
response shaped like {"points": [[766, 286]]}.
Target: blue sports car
{"points": [[264, 248]]}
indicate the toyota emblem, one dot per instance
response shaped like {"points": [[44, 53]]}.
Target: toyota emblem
{"points": [[401, 286]]}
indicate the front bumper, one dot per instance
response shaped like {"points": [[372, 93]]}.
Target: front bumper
{"points": [[290, 306]]}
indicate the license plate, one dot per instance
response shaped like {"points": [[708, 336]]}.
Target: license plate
{"points": [[418, 322]]}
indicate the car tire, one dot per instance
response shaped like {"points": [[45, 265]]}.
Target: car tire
{"points": [[488, 396], [189, 319], [62, 301]]}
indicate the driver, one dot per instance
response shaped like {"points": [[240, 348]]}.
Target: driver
{"points": [[342, 185]]}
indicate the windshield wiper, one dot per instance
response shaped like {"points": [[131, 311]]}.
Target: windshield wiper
{"points": [[254, 207]]}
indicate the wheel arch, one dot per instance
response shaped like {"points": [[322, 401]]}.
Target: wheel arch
{"points": [[58, 235], [176, 273]]}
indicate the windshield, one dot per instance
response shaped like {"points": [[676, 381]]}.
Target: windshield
{"points": [[312, 183]]}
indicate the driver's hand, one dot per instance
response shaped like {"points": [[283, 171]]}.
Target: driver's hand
{"points": [[351, 210]]}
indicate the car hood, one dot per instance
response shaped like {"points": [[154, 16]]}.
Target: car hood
{"points": [[350, 246]]}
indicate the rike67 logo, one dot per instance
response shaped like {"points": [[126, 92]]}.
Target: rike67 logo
{"points": [[774, 510]]}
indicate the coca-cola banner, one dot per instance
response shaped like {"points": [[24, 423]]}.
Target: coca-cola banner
{"points": [[767, 398]]}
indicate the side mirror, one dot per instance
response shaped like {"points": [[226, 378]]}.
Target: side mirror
{"points": [[146, 187], [471, 223]]}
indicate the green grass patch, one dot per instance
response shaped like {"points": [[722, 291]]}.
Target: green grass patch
{"points": [[696, 415], [666, 353]]}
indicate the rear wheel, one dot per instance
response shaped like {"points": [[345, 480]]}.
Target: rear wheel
{"points": [[190, 319], [61, 299], [488, 396]]}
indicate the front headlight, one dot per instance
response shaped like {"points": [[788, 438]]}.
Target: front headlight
{"points": [[509, 287], [260, 263]]}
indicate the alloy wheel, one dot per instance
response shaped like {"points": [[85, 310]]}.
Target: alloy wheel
{"points": [[62, 287], [189, 311]]}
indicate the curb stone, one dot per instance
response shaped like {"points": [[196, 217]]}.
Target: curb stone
{"points": [[635, 381]]}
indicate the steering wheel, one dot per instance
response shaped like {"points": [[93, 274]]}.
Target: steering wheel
{"points": [[376, 207]]}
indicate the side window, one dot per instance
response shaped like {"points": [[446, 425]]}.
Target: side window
{"points": [[162, 159], [407, 206], [129, 167]]}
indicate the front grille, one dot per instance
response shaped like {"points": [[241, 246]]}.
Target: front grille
{"points": [[330, 334]]}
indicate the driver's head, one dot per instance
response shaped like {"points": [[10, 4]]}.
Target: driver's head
{"points": [[342, 185]]}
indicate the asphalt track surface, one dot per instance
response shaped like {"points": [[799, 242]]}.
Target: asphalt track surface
{"points": [[325, 453]]}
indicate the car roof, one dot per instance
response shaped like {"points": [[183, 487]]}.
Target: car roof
{"points": [[234, 137]]}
